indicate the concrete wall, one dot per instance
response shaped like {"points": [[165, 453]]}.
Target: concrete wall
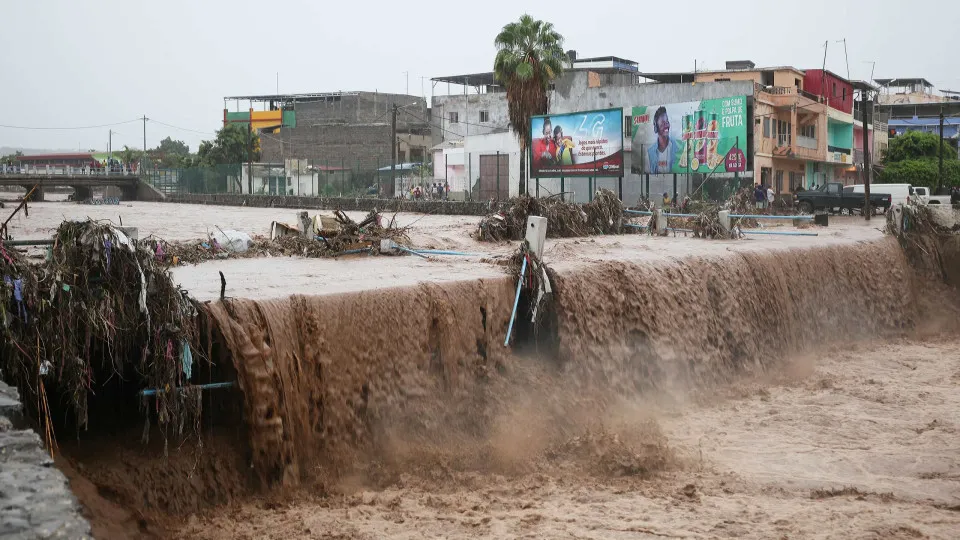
{"points": [[35, 499], [468, 107], [354, 129], [509, 148], [467, 208]]}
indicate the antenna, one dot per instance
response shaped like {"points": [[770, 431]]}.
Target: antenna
{"points": [[844, 40]]}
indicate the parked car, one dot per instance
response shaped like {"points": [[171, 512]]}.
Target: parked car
{"points": [[833, 196], [923, 193]]}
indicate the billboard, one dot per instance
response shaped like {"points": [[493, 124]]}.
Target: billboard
{"points": [[586, 143], [690, 137]]}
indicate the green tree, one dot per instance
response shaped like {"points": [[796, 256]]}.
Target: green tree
{"points": [[170, 154], [912, 158], [11, 158], [529, 57], [234, 145]]}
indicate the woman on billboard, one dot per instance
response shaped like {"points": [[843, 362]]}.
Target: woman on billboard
{"points": [[662, 155], [544, 150]]}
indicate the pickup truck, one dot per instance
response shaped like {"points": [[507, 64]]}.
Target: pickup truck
{"points": [[831, 195], [926, 198]]}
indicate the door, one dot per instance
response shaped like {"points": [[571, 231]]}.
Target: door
{"points": [[494, 177], [834, 195]]}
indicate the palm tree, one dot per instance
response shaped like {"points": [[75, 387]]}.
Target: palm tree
{"points": [[529, 57]]}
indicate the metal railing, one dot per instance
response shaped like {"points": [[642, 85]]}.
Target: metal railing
{"points": [[66, 171]]}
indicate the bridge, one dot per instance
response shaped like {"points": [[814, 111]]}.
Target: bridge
{"points": [[130, 185]]}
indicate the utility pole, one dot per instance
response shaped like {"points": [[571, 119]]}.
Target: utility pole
{"points": [[407, 74], [940, 153], [144, 154], [109, 151], [393, 149], [864, 118], [250, 153]]}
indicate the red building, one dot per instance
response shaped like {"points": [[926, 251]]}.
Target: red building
{"points": [[837, 91]]}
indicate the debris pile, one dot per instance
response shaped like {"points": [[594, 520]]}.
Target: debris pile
{"points": [[564, 219], [100, 308], [605, 213], [330, 238]]}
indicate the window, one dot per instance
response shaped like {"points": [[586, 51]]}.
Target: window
{"points": [[766, 127], [809, 131], [627, 126], [779, 177], [798, 83], [834, 89], [721, 79], [844, 94], [484, 116], [454, 117]]}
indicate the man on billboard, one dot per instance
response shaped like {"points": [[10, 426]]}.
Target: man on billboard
{"points": [[544, 149], [564, 147], [663, 154]]}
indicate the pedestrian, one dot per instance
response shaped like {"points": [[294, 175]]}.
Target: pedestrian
{"points": [[770, 197], [666, 199], [759, 196]]}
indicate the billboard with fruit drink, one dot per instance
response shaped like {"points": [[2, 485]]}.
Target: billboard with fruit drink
{"points": [[688, 137], [586, 143]]}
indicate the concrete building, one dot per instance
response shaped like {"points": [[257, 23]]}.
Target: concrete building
{"points": [[344, 130], [800, 137], [592, 83]]}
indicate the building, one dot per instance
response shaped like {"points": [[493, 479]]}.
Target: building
{"points": [[480, 119], [461, 114], [802, 121], [336, 130], [911, 104]]}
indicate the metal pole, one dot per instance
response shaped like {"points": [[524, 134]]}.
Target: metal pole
{"points": [[343, 174], [620, 187], [393, 149], [379, 189], [445, 169], [867, 211], [940, 153], [563, 195], [498, 176], [593, 179]]}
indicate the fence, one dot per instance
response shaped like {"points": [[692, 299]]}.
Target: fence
{"points": [[374, 178]]}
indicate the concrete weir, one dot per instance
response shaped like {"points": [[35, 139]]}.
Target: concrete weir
{"points": [[369, 385]]}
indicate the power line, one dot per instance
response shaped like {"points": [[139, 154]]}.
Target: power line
{"points": [[178, 127], [69, 128]]}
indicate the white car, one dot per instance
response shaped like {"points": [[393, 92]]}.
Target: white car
{"points": [[923, 193]]}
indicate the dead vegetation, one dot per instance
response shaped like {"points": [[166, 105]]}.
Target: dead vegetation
{"points": [[100, 307], [603, 215]]}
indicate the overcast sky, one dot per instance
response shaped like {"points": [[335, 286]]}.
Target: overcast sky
{"points": [[71, 63]]}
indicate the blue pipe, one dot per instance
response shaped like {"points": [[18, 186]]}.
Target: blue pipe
{"points": [[442, 252], [784, 233], [641, 212], [751, 216], [516, 301], [680, 215], [211, 386], [412, 252]]}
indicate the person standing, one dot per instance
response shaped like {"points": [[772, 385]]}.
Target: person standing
{"points": [[770, 196], [759, 196]]}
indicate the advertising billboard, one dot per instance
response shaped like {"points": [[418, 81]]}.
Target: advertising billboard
{"points": [[586, 143], [690, 137]]}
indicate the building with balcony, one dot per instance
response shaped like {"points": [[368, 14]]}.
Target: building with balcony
{"points": [[802, 121]]}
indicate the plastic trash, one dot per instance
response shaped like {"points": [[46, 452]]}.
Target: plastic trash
{"points": [[231, 240]]}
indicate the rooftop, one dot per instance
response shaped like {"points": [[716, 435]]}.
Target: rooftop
{"points": [[689, 76], [290, 97], [904, 82]]}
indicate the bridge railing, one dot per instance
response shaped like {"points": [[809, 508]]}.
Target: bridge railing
{"points": [[65, 170]]}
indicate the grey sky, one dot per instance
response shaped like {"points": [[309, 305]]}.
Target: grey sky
{"points": [[78, 63]]}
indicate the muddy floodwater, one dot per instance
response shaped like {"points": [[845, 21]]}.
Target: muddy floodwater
{"points": [[856, 442]]}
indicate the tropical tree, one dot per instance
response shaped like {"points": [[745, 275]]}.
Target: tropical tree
{"points": [[234, 145], [913, 158], [529, 57]]}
